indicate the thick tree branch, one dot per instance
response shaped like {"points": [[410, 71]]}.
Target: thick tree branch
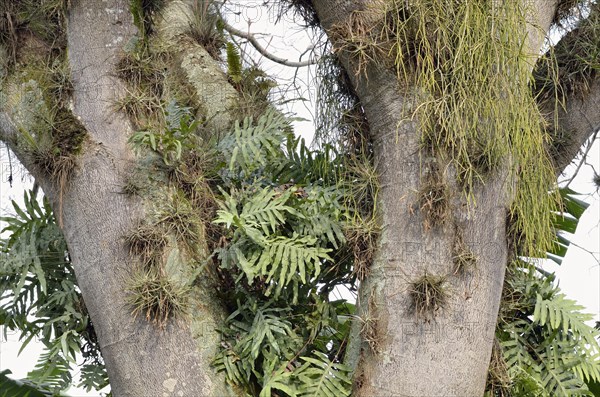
{"points": [[578, 120], [216, 95], [577, 116]]}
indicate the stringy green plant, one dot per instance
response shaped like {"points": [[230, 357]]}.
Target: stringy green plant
{"points": [[477, 107], [473, 99]]}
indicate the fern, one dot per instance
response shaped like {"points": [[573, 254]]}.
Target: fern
{"points": [[544, 335], [282, 213], [234, 63], [265, 210], [176, 136], [563, 314], [281, 380], [321, 377], [39, 295], [251, 147]]}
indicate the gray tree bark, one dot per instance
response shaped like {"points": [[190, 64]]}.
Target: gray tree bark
{"points": [[447, 356]]}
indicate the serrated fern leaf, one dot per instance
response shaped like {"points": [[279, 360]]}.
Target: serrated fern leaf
{"points": [[267, 209], [234, 63], [283, 258], [560, 312], [321, 377], [558, 382], [266, 328], [252, 146]]}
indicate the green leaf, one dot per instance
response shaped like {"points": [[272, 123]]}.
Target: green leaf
{"points": [[321, 377], [19, 388]]}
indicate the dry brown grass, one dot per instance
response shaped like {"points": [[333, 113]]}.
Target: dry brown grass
{"points": [[428, 294], [463, 259], [434, 199]]}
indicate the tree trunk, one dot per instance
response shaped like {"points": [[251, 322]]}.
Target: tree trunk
{"points": [[397, 349], [405, 353], [141, 359], [449, 353]]}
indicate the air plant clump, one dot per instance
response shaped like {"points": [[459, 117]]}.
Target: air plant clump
{"points": [[154, 296], [46, 19], [571, 65], [434, 199], [361, 39], [362, 240], [56, 149], [144, 74], [428, 295], [369, 330], [180, 218], [147, 242], [205, 28], [463, 257], [134, 185]]}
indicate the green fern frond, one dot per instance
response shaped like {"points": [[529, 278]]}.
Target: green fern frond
{"points": [[251, 146], [560, 312], [267, 328], [278, 380], [546, 337], [52, 369], [234, 63], [284, 258], [558, 382], [321, 377], [266, 209]]}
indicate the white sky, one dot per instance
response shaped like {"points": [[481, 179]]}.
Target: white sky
{"points": [[579, 275]]}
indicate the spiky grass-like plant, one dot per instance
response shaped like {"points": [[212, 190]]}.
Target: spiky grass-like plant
{"points": [[463, 257], [179, 217], [361, 237], [428, 294], [204, 28], [434, 199], [158, 299], [147, 242]]}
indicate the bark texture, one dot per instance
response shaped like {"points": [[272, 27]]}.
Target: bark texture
{"points": [[447, 355], [141, 359]]}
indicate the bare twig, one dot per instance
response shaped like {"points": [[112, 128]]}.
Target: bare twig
{"points": [[252, 40], [583, 157]]}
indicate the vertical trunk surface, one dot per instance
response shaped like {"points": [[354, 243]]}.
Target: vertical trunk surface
{"points": [[141, 359], [448, 353]]}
